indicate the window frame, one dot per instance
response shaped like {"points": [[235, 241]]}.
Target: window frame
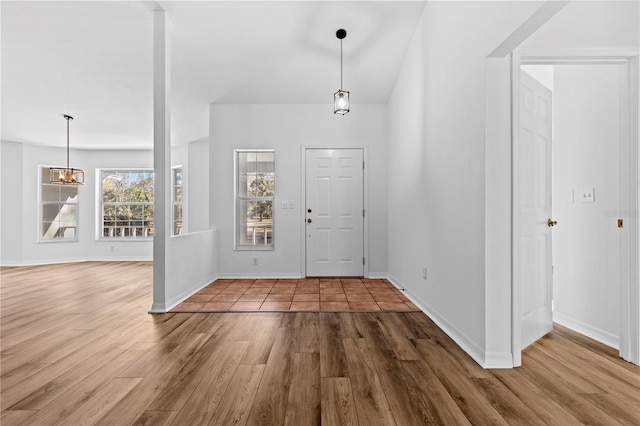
{"points": [[237, 200], [100, 204], [41, 204]]}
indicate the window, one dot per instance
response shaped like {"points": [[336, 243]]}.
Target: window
{"points": [[255, 179], [176, 200], [58, 210], [126, 203]]}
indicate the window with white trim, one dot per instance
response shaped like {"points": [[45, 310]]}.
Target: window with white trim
{"points": [[255, 191], [58, 209], [176, 200], [126, 203]]}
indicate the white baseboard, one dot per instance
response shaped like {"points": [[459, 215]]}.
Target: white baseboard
{"points": [[590, 331], [162, 308], [485, 360], [75, 260], [378, 275], [498, 360], [252, 276]]}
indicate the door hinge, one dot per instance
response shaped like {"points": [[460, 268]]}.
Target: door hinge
{"points": [[363, 164], [363, 260], [620, 223], [362, 212]]}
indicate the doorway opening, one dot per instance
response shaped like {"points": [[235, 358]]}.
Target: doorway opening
{"points": [[592, 188]]}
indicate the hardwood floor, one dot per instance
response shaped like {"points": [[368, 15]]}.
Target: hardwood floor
{"points": [[78, 347]]}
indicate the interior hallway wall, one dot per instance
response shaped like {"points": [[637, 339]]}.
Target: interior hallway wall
{"points": [[436, 156]]}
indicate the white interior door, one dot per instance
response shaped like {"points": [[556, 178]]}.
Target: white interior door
{"points": [[334, 209], [534, 210]]}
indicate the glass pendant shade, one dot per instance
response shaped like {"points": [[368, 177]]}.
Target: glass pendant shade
{"points": [[341, 102], [66, 175]]}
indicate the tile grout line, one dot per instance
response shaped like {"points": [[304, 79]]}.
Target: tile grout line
{"points": [[378, 294]]}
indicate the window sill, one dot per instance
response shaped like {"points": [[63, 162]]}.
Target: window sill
{"points": [[266, 247], [125, 239], [59, 240]]}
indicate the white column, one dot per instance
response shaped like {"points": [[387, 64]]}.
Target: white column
{"points": [[161, 158]]}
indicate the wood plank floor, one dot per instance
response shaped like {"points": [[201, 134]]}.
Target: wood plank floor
{"points": [[79, 348]]}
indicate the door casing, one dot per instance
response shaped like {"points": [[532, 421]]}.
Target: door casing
{"points": [[303, 197]]}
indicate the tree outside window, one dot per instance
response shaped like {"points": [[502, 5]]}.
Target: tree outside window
{"points": [[126, 203]]}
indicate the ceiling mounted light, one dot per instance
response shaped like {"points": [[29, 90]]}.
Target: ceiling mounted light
{"points": [[341, 97], [68, 175]]}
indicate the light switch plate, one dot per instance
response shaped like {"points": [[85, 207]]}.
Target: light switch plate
{"points": [[588, 195]]}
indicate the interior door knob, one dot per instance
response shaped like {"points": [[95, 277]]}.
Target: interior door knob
{"points": [[309, 220], [551, 223], [308, 210]]}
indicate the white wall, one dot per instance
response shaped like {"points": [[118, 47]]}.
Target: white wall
{"points": [[22, 160], [11, 172], [287, 128], [436, 163], [589, 26], [197, 186], [586, 119]]}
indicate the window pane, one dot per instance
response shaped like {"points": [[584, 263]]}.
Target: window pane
{"points": [[59, 221], [68, 194], [50, 193], [255, 222], [177, 219], [261, 185]]}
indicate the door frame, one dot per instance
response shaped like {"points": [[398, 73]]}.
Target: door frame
{"points": [[303, 199], [629, 346]]}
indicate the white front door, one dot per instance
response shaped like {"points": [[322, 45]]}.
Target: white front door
{"points": [[334, 209], [534, 210]]}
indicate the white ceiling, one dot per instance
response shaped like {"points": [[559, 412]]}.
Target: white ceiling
{"points": [[93, 60]]}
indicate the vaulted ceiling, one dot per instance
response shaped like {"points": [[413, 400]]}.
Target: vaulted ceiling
{"points": [[93, 60]]}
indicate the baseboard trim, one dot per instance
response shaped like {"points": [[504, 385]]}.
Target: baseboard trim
{"points": [[498, 360], [378, 275], [594, 333], [163, 308], [74, 260], [467, 345], [252, 276]]}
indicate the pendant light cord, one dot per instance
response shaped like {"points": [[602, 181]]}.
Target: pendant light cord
{"points": [[340, 64], [67, 144]]}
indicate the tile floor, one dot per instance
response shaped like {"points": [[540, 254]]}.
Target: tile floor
{"points": [[309, 294]]}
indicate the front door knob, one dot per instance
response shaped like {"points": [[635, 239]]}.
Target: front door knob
{"points": [[309, 220], [551, 223]]}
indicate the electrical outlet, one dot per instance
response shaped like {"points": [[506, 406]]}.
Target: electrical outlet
{"points": [[255, 261], [424, 272]]}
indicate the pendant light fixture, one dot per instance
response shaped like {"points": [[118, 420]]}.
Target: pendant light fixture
{"points": [[341, 97], [68, 175]]}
